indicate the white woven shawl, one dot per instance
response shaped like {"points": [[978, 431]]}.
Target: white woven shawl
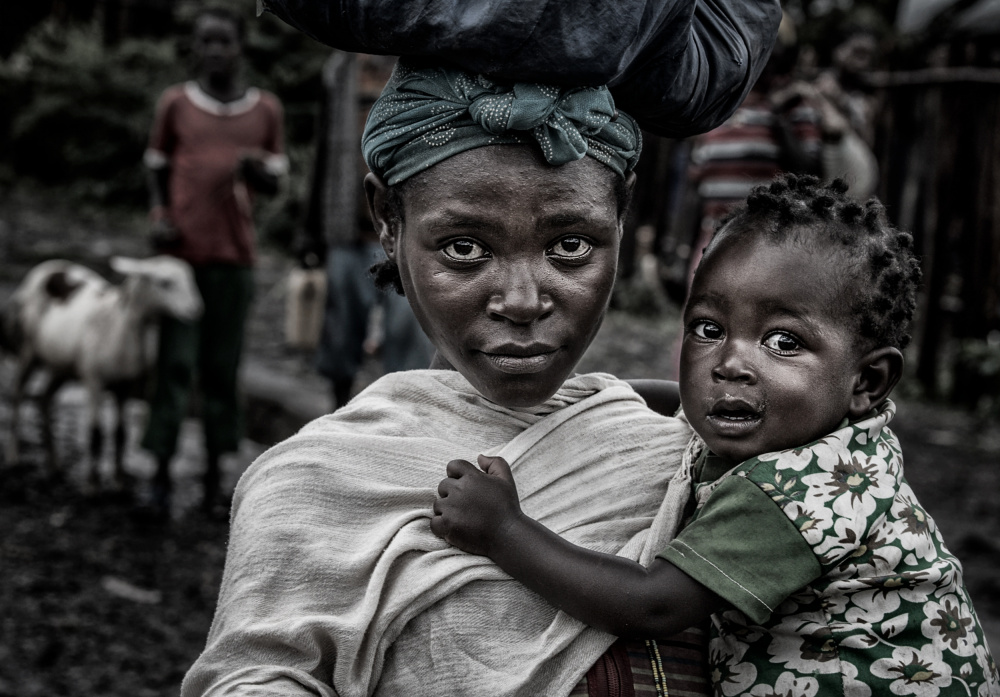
{"points": [[334, 584]]}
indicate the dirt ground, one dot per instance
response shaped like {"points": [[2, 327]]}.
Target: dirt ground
{"points": [[96, 600]]}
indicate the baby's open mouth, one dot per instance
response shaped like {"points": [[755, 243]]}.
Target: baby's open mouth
{"points": [[735, 414], [735, 417]]}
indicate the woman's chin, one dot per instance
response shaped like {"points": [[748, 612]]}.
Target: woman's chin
{"points": [[519, 391]]}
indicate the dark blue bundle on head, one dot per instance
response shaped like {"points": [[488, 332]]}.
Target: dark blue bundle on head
{"points": [[680, 67]]}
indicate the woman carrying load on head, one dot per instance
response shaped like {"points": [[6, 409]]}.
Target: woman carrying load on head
{"points": [[500, 208]]}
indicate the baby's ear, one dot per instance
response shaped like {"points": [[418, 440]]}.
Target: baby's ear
{"points": [[878, 372]]}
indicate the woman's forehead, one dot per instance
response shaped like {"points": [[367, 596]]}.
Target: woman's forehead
{"points": [[510, 168]]}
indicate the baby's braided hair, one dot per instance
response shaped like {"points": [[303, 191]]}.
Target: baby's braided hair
{"points": [[882, 272]]}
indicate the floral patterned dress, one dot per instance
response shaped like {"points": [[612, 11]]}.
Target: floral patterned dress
{"points": [[839, 581]]}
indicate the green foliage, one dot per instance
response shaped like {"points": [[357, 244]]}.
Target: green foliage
{"points": [[78, 112], [75, 113], [977, 374]]}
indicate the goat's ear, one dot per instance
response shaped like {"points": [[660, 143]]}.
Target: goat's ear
{"points": [[125, 265]]}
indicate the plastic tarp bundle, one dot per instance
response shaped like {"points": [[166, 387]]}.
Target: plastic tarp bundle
{"points": [[679, 67]]}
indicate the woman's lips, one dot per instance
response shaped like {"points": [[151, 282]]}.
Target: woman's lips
{"points": [[518, 362]]}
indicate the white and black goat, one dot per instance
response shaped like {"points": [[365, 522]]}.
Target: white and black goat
{"points": [[70, 321]]}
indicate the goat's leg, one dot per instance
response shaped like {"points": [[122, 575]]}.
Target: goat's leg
{"points": [[45, 408], [25, 368], [120, 436], [96, 435]]}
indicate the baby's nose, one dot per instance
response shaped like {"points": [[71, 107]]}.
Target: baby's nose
{"points": [[735, 365]]}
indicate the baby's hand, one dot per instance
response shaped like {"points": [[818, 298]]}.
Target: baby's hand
{"points": [[475, 506]]}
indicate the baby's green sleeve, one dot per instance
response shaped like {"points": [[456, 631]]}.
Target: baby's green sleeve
{"points": [[745, 549]]}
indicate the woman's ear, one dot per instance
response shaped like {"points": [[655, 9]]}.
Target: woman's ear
{"points": [[383, 218], [630, 179], [878, 372]]}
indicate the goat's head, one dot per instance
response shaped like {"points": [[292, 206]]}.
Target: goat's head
{"points": [[167, 284]]}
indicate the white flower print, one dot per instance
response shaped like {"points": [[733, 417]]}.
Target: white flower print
{"points": [[727, 674], [888, 451], [874, 556], [869, 607], [826, 453], [735, 633], [788, 685], [912, 586], [950, 625], [875, 424], [887, 613], [803, 646], [852, 686], [855, 484], [912, 527], [811, 522], [835, 603], [988, 666], [919, 672], [856, 555]]}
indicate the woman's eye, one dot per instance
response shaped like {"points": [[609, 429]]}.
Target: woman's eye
{"points": [[465, 250], [704, 329], [571, 248], [781, 342]]}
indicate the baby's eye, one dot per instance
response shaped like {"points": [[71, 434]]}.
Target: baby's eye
{"points": [[704, 329], [465, 250], [571, 247], [781, 342]]}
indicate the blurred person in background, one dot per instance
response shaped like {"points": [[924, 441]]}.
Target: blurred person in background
{"points": [[774, 130], [338, 232], [845, 84], [843, 89], [786, 124], [214, 141]]}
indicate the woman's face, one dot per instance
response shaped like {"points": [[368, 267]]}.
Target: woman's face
{"points": [[508, 264]]}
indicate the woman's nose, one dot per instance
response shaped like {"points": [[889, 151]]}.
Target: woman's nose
{"points": [[520, 296], [735, 364]]}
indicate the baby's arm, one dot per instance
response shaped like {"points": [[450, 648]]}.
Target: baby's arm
{"points": [[478, 511]]}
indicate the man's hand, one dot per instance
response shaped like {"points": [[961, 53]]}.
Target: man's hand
{"points": [[252, 168], [163, 236], [475, 507]]}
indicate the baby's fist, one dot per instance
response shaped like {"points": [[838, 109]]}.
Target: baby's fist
{"points": [[473, 505]]}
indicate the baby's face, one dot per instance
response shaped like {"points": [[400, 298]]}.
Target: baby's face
{"points": [[766, 363]]}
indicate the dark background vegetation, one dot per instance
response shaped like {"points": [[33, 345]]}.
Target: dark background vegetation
{"points": [[79, 80]]}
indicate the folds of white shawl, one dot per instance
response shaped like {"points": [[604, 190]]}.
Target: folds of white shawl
{"points": [[334, 584]]}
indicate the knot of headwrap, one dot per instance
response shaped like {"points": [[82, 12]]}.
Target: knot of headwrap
{"points": [[426, 115]]}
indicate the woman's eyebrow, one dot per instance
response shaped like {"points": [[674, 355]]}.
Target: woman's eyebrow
{"points": [[448, 220], [559, 220]]}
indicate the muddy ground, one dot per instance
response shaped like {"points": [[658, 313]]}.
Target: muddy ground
{"points": [[97, 600]]}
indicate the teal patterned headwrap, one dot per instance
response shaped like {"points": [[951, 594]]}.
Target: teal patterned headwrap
{"points": [[428, 114]]}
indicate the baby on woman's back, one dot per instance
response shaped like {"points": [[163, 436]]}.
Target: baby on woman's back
{"points": [[821, 572]]}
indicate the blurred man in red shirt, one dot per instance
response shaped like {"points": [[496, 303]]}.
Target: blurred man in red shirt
{"points": [[214, 142]]}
